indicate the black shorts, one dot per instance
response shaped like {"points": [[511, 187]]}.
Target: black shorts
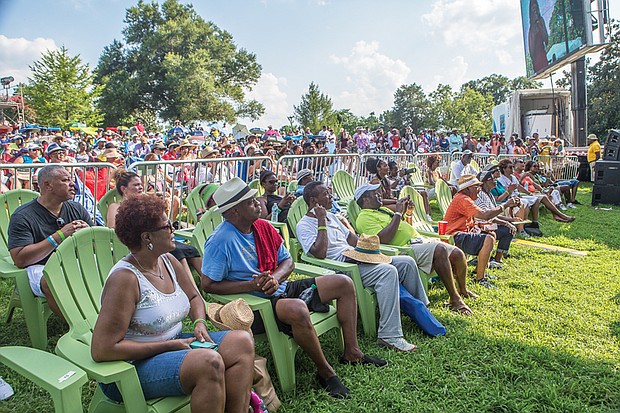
{"points": [[184, 251], [469, 242], [293, 290]]}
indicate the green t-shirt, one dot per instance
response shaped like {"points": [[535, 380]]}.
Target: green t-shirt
{"points": [[372, 221]]}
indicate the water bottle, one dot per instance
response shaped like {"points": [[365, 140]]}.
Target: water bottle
{"points": [[274, 212], [306, 295]]}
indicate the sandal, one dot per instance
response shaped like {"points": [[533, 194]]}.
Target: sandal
{"points": [[461, 309]]}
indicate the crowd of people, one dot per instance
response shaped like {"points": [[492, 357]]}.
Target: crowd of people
{"points": [[245, 254]]}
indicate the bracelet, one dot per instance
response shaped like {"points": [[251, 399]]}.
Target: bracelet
{"points": [[61, 235], [51, 240], [322, 227], [400, 214], [199, 320]]}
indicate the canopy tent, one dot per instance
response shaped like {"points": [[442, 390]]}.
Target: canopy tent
{"points": [[30, 128], [76, 126], [178, 130], [240, 131]]}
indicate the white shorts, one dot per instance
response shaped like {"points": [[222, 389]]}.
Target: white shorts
{"points": [[35, 273]]}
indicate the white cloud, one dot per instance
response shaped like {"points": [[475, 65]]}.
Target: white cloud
{"points": [[268, 91], [371, 79], [489, 27], [452, 73], [16, 54]]}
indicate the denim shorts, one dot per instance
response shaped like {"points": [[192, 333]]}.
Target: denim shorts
{"points": [[160, 375]]}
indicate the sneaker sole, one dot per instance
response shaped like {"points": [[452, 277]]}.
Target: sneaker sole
{"points": [[382, 343]]}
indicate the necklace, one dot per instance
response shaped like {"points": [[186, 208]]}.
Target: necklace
{"points": [[159, 274]]}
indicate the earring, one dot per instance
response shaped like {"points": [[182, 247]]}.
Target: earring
{"points": [[150, 246]]}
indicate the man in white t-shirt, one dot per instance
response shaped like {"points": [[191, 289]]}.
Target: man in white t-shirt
{"points": [[462, 167], [322, 235]]}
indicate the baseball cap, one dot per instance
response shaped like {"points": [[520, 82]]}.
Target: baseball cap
{"points": [[359, 192]]}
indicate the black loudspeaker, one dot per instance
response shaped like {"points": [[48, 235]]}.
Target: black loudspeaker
{"points": [[607, 173], [611, 150], [606, 194]]}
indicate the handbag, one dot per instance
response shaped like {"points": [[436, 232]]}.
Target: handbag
{"points": [[263, 385]]}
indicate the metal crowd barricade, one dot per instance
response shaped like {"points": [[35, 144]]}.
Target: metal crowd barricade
{"points": [[323, 165], [524, 157], [174, 179], [92, 180], [403, 160], [421, 161], [562, 168]]}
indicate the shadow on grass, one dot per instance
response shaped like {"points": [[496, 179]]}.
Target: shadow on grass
{"points": [[464, 372]]}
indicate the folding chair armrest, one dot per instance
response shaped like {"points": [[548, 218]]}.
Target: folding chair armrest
{"points": [[79, 354], [185, 234], [312, 270], [429, 234], [338, 266], [44, 369], [390, 250], [9, 270]]}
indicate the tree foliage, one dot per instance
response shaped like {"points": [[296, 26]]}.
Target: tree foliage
{"points": [[500, 86], [61, 90], [411, 107], [315, 110], [604, 87], [176, 65]]}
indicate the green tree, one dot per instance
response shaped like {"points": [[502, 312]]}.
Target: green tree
{"points": [[177, 65], [61, 90], [500, 86], [442, 103], [315, 110], [371, 121], [471, 111], [411, 107], [603, 87]]}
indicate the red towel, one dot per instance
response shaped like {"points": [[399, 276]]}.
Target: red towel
{"points": [[267, 241]]}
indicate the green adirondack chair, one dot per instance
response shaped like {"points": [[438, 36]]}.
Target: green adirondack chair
{"points": [[353, 210], [292, 186], [76, 274], [255, 184], [344, 186], [45, 370], [197, 199], [416, 178], [110, 197], [295, 213], [366, 300], [36, 310], [283, 348], [444, 196]]}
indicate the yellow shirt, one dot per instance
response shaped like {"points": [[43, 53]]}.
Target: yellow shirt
{"points": [[592, 150]]}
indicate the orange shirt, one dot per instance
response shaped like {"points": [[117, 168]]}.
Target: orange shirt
{"points": [[460, 214]]}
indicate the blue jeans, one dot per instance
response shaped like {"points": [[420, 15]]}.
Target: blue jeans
{"points": [[570, 182], [160, 375]]}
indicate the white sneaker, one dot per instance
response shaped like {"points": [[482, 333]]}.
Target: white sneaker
{"points": [[570, 205], [495, 264], [397, 343], [562, 207], [430, 218], [6, 390]]}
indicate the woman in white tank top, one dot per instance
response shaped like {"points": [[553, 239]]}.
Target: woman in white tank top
{"points": [[143, 303]]}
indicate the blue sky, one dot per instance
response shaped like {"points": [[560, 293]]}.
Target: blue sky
{"points": [[358, 52]]}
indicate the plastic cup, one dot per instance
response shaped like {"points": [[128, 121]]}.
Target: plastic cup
{"points": [[441, 227]]}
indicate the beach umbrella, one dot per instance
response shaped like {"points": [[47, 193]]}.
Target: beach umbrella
{"points": [[240, 131]]}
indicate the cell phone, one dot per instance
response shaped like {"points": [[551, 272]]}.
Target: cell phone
{"points": [[203, 344]]}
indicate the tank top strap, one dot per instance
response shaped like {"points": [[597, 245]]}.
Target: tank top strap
{"points": [[169, 267]]}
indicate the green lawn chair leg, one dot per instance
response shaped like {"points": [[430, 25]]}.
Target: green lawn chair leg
{"points": [[13, 304], [36, 313], [60, 378], [367, 313]]}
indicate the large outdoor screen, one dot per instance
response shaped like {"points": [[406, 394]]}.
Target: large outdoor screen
{"points": [[552, 31]]}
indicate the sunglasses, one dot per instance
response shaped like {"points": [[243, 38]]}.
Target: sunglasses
{"points": [[168, 226]]}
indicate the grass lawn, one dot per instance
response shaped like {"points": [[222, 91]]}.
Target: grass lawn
{"points": [[546, 341]]}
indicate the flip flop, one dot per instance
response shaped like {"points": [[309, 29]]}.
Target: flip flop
{"points": [[461, 309]]}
